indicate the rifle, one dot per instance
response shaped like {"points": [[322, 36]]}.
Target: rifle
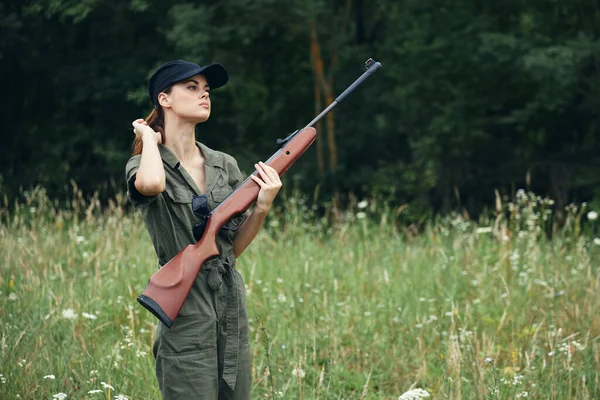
{"points": [[168, 287]]}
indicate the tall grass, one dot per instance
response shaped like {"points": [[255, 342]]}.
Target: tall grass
{"points": [[357, 309]]}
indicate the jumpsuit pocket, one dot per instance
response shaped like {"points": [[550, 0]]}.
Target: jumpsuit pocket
{"points": [[186, 358], [191, 333], [189, 376], [219, 194], [179, 196]]}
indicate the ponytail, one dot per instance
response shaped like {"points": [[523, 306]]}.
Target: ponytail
{"points": [[156, 121]]}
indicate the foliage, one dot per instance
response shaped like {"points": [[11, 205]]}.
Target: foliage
{"points": [[473, 97]]}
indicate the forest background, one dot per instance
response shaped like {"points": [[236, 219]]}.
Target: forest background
{"points": [[473, 97]]}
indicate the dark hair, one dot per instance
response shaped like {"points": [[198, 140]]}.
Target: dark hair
{"points": [[156, 121]]}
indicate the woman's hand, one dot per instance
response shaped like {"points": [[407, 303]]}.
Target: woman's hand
{"points": [[269, 183], [143, 131]]}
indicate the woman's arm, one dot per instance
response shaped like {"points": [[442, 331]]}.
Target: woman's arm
{"points": [[150, 176], [269, 187]]}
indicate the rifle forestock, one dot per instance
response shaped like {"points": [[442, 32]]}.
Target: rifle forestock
{"points": [[169, 286]]}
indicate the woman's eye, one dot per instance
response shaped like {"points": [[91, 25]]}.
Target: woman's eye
{"points": [[192, 87]]}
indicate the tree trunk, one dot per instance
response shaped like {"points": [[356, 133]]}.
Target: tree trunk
{"points": [[319, 71], [318, 109]]}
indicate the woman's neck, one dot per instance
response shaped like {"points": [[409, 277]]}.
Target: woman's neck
{"points": [[179, 137]]}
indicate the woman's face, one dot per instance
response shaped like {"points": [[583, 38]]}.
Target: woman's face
{"points": [[189, 99]]}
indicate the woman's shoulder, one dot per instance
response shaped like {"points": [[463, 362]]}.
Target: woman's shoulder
{"points": [[216, 157]]}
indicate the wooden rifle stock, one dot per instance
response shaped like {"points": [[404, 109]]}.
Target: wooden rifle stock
{"points": [[168, 287]]}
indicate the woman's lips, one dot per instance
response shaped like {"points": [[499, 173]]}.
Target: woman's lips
{"points": [[205, 105]]}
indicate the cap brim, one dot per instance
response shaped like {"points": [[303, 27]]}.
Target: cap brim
{"points": [[216, 75]]}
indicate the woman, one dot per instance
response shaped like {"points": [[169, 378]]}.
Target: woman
{"points": [[205, 354]]}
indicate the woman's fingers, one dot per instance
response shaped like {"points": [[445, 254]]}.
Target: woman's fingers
{"points": [[258, 180], [270, 171], [263, 174], [268, 174]]}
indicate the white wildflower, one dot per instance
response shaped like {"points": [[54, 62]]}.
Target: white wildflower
{"points": [[281, 298], [69, 313], [121, 397], [597, 241], [49, 377], [361, 215], [484, 229], [299, 372], [362, 204], [13, 296], [592, 215], [140, 353], [577, 345], [95, 391], [60, 396], [522, 394], [414, 394], [489, 360], [88, 316], [279, 280], [106, 386], [22, 362]]}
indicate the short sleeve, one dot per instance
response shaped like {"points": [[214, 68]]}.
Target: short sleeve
{"points": [[135, 197]]}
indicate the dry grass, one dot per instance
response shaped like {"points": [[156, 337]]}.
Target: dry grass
{"points": [[352, 310]]}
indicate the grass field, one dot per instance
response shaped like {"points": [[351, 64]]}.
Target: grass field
{"points": [[354, 310]]}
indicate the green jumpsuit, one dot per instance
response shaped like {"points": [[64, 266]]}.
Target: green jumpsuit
{"points": [[205, 354]]}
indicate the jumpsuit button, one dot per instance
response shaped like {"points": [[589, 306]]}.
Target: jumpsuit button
{"points": [[222, 298]]}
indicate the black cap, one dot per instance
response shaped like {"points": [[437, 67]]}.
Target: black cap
{"points": [[178, 70]]}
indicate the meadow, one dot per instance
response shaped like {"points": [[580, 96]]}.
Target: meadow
{"points": [[351, 307]]}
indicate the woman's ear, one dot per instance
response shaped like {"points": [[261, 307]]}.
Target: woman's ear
{"points": [[164, 100]]}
